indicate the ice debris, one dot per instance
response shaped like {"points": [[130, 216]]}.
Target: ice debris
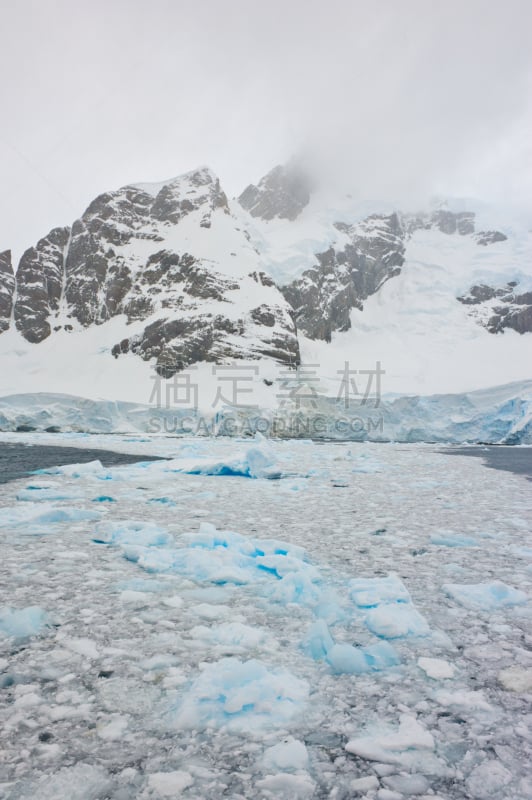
{"points": [[388, 608], [406, 745], [346, 658], [484, 596], [21, 623], [240, 696]]}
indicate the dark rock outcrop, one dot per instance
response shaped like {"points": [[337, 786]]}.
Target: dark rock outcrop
{"points": [[283, 192], [40, 281], [323, 297], [498, 308], [485, 238], [7, 289]]}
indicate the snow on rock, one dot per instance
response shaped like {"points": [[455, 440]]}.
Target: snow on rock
{"points": [[241, 696], [436, 668], [484, 596], [405, 746], [21, 623]]}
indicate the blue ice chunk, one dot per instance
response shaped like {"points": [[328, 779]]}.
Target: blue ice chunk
{"points": [[163, 500], [318, 641], [104, 498], [372, 592], [242, 697], [21, 623], [143, 534], [64, 515], [485, 596], [453, 540], [395, 620], [296, 587], [381, 655], [346, 659]]}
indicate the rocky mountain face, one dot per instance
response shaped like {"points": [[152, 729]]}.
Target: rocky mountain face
{"points": [[178, 265], [171, 256], [497, 308], [7, 289], [283, 192], [323, 297]]}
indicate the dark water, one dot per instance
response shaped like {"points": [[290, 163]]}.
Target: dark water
{"points": [[512, 459], [17, 460]]}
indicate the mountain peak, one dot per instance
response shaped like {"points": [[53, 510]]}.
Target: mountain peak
{"points": [[283, 192]]}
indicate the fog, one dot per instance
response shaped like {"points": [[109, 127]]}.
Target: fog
{"points": [[400, 101]]}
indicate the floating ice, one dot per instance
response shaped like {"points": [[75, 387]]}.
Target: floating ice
{"points": [[227, 557], [95, 468], [21, 623], [488, 780], [232, 637], [286, 787], [170, 784], [256, 462], [371, 592], [130, 532], [241, 696], [345, 658], [404, 746], [80, 782], [516, 679], [445, 539], [392, 621], [436, 668], [484, 596], [290, 755], [389, 611], [43, 515]]}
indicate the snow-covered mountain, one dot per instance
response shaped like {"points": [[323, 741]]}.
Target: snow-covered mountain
{"points": [[173, 275]]}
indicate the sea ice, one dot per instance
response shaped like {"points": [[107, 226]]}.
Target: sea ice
{"points": [[143, 534], [21, 623], [516, 679], [372, 592], [286, 787], [445, 539], [241, 696], [436, 668], [170, 784], [484, 596], [392, 621], [290, 755], [345, 658], [394, 747]]}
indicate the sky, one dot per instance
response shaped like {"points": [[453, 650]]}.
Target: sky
{"points": [[399, 100]]}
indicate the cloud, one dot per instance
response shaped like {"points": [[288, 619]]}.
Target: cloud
{"points": [[400, 100]]}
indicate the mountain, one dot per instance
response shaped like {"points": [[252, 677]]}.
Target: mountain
{"points": [[175, 275]]}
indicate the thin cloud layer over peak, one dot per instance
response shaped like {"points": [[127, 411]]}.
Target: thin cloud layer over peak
{"points": [[397, 101]]}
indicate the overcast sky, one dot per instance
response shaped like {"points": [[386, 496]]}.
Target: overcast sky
{"points": [[406, 98]]}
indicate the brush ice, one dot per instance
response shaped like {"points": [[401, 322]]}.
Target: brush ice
{"points": [[402, 746], [445, 539], [21, 623], [243, 696], [392, 621], [485, 596], [371, 592], [345, 658], [290, 755]]}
